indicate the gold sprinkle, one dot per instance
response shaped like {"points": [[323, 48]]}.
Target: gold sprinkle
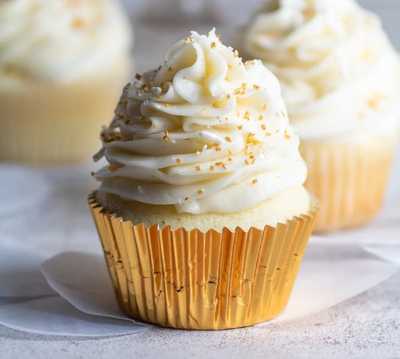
{"points": [[212, 168], [187, 198], [240, 127], [213, 45], [309, 12], [198, 168], [263, 127], [166, 136], [247, 115], [200, 191], [170, 68], [228, 139], [220, 164], [264, 107], [287, 135], [254, 181], [375, 101], [77, 23], [178, 160], [256, 87], [114, 167], [249, 161], [260, 118]]}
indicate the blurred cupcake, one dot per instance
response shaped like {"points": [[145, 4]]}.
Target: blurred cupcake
{"points": [[201, 210], [62, 64], [341, 82]]}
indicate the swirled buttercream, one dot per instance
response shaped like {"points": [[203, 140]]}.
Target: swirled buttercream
{"points": [[338, 71], [205, 132], [59, 40]]}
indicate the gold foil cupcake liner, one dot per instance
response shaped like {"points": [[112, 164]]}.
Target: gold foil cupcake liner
{"points": [[349, 180], [196, 280]]}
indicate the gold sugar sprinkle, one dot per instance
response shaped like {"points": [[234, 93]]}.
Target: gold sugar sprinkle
{"points": [[221, 164], [198, 168], [178, 160], [114, 167], [213, 45], [254, 181], [200, 191], [228, 139], [77, 23], [166, 136], [375, 102]]}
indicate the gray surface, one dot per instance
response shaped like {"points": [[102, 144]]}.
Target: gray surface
{"points": [[367, 326]]}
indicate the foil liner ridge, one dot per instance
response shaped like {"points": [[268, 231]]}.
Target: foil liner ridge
{"points": [[201, 280]]}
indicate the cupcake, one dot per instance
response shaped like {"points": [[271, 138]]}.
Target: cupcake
{"points": [[340, 79], [62, 64], [201, 208]]}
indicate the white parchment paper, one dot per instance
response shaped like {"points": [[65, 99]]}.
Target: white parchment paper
{"points": [[79, 299]]}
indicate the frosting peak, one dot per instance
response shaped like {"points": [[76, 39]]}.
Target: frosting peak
{"points": [[204, 132], [332, 59]]}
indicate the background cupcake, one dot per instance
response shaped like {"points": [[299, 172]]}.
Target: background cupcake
{"points": [[201, 210], [341, 82], [62, 64]]}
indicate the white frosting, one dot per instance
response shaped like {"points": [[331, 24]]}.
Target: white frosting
{"points": [[205, 132], [339, 73], [59, 40]]}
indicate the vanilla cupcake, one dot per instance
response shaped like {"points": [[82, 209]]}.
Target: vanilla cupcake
{"points": [[62, 64], [341, 82], [201, 210]]}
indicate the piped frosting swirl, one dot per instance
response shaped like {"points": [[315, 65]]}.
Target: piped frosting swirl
{"points": [[338, 71], [205, 132]]}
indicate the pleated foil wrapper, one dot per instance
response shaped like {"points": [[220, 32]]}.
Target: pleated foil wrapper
{"points": [[202, 281], [349, 179]]}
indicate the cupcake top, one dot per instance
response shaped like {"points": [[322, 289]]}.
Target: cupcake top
{"points": [[337, 68], [204, 132], [44, 40]]}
